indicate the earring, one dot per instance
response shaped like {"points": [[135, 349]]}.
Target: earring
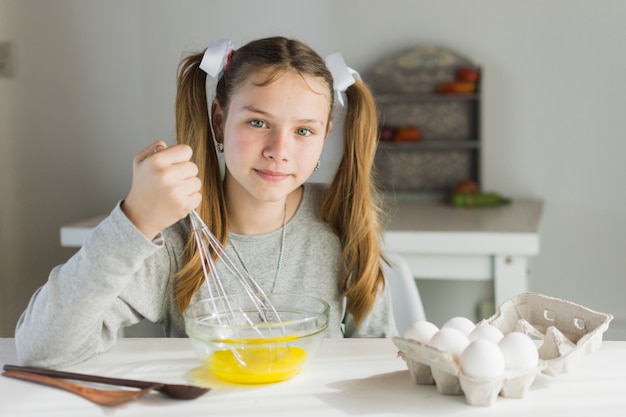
{"points": [[317, 166], [220, 147]]}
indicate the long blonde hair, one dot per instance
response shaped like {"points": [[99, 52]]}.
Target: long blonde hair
{"points": [[349, 207]]}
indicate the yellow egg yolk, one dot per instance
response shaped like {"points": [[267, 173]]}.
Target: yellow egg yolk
{"points": [[268, 361]]}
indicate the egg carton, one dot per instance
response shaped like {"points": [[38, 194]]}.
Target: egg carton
{"points": [[564, 331]]}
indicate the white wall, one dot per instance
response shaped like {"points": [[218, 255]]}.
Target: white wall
{"points": [[94, 83]]}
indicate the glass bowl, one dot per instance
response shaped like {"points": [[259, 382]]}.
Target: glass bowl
{"points": [[238, 345]]}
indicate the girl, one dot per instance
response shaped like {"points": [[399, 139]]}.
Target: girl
{"points": [[269, 119]]}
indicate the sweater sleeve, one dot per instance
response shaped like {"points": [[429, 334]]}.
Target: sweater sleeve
{"points": [[79, 310]]}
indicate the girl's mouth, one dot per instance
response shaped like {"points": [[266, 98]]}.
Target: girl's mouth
{"points": [[271, 175]]}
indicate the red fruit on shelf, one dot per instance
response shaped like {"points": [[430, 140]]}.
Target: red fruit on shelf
{"points": [[467, 74], [466, 186], [387, 133]]}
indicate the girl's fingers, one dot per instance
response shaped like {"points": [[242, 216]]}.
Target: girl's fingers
{"points": [[191, 186], [171, 155], [183, 170], [150, 150]]}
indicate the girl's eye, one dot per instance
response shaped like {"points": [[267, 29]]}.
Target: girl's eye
{"points": [[304, 131], [257, 123]]}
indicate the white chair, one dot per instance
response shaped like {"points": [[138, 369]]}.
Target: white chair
{"points": [[407, 303]]}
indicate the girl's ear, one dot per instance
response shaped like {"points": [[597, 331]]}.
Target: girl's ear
{"points": [[217, 119]]}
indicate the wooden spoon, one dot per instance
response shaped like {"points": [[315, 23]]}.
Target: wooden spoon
{"points": [[178, 391], [98, 396]]}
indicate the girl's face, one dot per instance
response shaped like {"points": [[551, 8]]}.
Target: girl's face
{"points": [[273, 135]]}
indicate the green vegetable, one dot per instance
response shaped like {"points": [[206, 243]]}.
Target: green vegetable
{"points": [[486, 199]]}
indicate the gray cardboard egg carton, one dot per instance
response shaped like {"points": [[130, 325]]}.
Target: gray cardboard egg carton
{"points": [[565, 332]]}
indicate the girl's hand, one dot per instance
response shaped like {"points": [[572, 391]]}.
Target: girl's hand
{"points": [[165, 188]]}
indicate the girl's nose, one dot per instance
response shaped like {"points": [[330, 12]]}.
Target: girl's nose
{"points": [[277, 147]]}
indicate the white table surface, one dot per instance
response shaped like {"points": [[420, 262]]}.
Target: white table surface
{"points": [[347, 378]]}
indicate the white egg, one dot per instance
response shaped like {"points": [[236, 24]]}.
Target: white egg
{"points": [[463, 324], [519, 350], [421, 331], [450, 340], [486, 331], [483, 359]]}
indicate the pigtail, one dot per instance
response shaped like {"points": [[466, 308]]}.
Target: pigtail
{"points": [[192, 128], [351, 205]]}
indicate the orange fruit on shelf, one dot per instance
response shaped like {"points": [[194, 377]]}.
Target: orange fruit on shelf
{"points": [[456, 87], [407, 134]]}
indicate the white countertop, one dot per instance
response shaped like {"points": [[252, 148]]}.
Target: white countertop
{"points": [[348, 377], [435, 227]]}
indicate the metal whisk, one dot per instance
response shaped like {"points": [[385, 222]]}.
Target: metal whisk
{"points": [[207, 242]]}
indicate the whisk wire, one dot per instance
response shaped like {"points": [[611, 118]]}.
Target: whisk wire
{"points": [[206, 243]]}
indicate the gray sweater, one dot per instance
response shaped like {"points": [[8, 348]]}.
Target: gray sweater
{"points": [[119, 278]]}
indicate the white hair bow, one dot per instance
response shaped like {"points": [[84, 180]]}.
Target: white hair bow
{"points": [[216, 57], [343, 76]]}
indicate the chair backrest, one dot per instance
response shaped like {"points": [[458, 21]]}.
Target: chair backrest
{"points": [[407, 303]]}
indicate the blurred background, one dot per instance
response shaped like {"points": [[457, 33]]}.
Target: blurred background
{"points": [[89, 83]]}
